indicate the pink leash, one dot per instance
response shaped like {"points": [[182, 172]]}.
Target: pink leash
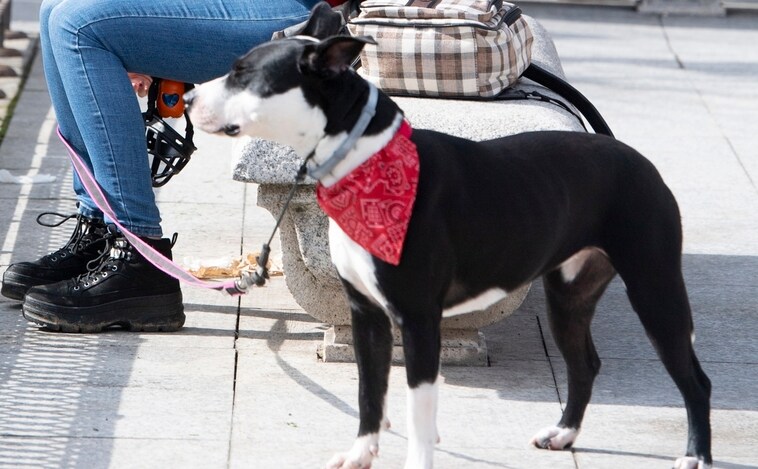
{"points": [[232, 287]]}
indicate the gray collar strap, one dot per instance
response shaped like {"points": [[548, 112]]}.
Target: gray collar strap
{"points": [[319, 171]]}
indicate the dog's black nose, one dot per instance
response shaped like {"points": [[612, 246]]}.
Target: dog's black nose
{"points": [[231, 130]]}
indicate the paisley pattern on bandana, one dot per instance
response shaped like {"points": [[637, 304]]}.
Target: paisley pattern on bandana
{"points": [[373, 203]]}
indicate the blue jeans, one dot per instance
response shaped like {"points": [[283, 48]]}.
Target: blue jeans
{"points": [[89, 45]]}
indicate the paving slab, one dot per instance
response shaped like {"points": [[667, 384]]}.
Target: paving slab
{"points": [[24, 239], [317, 414], [123, 453]]}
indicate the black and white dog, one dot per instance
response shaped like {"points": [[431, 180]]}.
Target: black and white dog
{"points": [[488, 217]]}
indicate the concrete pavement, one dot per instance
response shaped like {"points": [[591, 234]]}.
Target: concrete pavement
{"points": [[240, 386]]}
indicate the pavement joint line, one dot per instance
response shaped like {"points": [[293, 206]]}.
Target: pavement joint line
{"points": [[741, 163], [670, 46], [229, 453]]}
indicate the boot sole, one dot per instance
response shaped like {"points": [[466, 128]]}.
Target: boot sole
{"points": [[160, 313], [16, 285], [13, 291]]}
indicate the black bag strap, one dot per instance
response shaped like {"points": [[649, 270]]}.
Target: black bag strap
{"points": [[512, 94], [557, 84]]}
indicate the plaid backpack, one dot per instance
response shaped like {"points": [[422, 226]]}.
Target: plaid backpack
{"points": [[444, 48], [471, 49]]}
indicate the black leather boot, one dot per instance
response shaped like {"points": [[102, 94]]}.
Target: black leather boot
{"points": [[86, 243], [123, 290]]}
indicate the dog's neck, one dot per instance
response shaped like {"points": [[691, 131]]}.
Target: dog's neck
{"points": [[338, 152]]}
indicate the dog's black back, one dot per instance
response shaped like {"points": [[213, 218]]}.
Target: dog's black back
{"points": [[515, 208]]}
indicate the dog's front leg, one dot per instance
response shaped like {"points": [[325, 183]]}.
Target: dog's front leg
{"points": [[372, 340], [422, 425], [421, 346]]}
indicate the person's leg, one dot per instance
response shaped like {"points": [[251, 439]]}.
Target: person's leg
{"points": [[86, 240], [62, 108], [89, 45], [95, 42]]}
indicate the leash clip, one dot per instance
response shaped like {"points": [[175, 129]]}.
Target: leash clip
{"points": [[257, 278]]}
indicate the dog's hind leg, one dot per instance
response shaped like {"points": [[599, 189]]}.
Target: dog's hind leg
{"points": [[572, 292], [372, 340], [421, 347], [657, 292], [644, 242]]}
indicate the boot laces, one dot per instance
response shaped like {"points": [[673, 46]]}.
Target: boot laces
{"points": [[83, 235], [116, 251]]}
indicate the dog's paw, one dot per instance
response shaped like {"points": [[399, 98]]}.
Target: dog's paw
{"points": [[343, 461], [690, 462], [360, 456], [348, 461], [555, 438]]}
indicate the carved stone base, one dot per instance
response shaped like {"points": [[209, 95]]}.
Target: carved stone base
{"points": [[461, 347]]}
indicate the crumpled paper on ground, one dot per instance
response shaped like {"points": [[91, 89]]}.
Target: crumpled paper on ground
{"points": [[7, 178], [227, 267]]}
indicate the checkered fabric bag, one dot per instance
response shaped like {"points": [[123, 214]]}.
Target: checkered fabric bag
{"points": [[448, 48]]}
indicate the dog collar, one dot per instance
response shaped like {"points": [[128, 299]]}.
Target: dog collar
{"points": [[367, 113], [373, 203]]}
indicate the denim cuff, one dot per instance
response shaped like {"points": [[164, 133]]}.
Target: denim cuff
{"points": [[141, 231], [144, 231], [88, 212]]}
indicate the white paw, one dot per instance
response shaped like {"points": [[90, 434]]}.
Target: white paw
{"points": [[344, 461], [555, 438], [690, 462], [360, 456]]}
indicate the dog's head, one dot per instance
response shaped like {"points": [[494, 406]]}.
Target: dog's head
{"points": [[283, 90]]}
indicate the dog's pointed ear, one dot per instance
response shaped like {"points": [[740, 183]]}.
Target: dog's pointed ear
{"points": [[332, 56], [323, 22]]}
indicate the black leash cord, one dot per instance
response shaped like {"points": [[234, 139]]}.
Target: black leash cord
{"points": [[258, 278]]}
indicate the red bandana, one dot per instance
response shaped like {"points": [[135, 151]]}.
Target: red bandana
{"points": [[373, 203]]}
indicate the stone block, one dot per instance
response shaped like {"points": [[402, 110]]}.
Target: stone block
{"points": [[463, 347]]}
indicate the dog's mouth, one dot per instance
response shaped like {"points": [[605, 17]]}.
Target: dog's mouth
{"points": [[205, 107], [231, 130]]}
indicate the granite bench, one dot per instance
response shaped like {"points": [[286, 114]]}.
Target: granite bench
{"points": [[310, 276]]}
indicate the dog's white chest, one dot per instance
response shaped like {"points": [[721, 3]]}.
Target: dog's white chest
{"points": [[354, 264]]}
